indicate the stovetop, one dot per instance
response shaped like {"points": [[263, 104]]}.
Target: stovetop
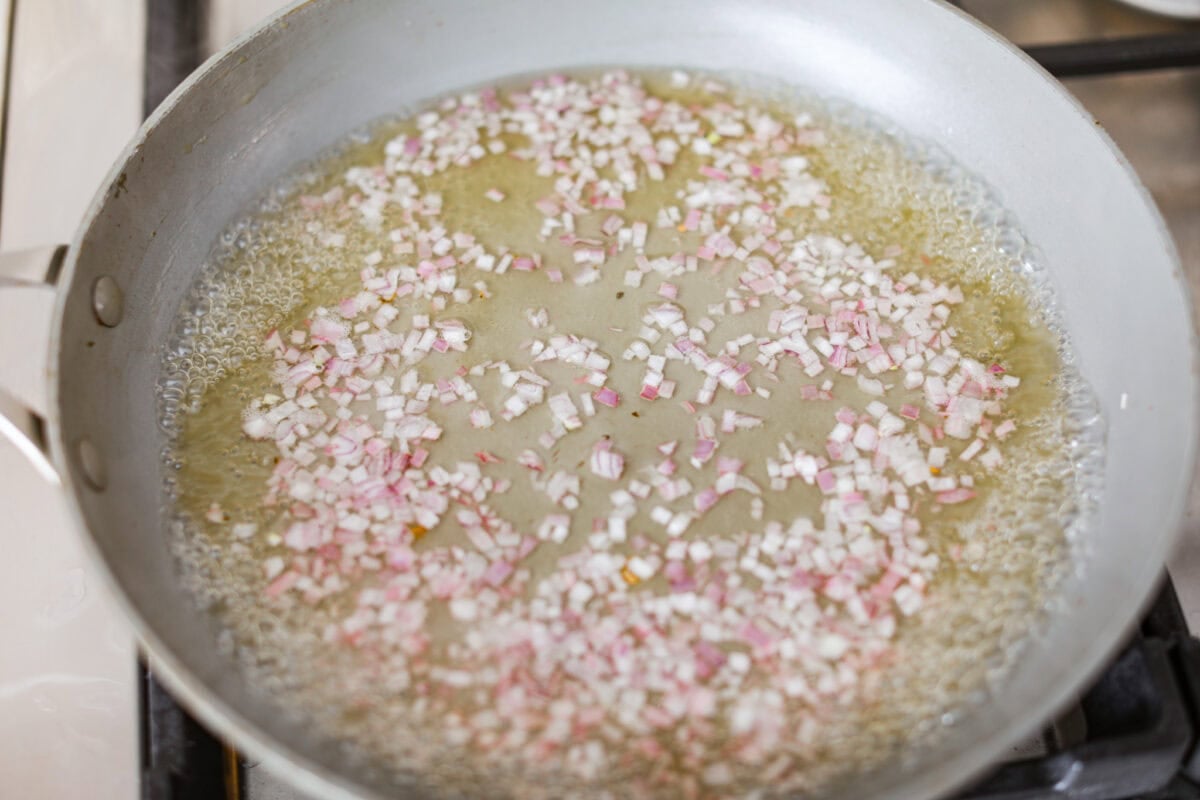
{"points": [[1133, 734]]}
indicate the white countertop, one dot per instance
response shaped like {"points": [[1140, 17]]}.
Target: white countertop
{"points": [[68, 690]]}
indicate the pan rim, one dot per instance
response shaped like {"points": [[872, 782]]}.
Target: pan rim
{"points": [[219, 714]]}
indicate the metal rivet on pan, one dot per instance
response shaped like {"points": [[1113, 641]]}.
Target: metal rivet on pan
{"points": [[107, 301], [91, 465]]}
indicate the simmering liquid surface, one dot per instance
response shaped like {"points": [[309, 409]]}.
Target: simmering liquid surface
{"points": [[633, 434]]}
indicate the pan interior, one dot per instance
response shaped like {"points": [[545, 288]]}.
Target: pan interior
{"points": [[995, 563]]}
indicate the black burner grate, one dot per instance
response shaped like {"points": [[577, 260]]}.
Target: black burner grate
{"points": [[1111, 56], [1132, 735]]}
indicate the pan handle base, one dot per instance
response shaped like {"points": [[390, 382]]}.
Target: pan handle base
{"points": [[27, 297]]}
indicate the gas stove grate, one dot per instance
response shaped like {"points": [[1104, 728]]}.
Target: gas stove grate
{"points": [[1132, 735], [1112, 56]]}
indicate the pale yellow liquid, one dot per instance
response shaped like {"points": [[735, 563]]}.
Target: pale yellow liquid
{"points": [[1010, 542]]}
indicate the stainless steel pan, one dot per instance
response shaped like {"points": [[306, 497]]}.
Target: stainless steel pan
{"points": [[323, 67]]}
